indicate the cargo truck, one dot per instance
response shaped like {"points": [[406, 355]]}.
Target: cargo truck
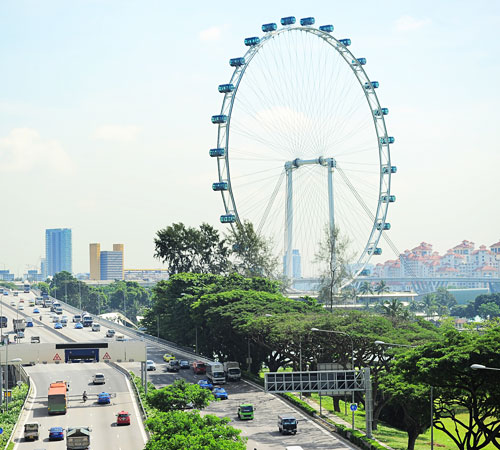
{"points": [[19, 325], [215, 373], [78, 438], [232, 371], [87, 321]]}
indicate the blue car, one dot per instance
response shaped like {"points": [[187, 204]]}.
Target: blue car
{"points": [[36, 311], [220, 393], [56, 434], [29, 322], [103, 398], [57, 326], [78, 325], [205, 384]]}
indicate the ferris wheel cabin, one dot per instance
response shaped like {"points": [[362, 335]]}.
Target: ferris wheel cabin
{"points": [[225, 88], [269, 27], [288, 20], [307, 21], [227, 218], [251, 41], [326, 28]]}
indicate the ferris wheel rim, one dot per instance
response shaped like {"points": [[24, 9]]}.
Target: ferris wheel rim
{"points": [[384, 157]]}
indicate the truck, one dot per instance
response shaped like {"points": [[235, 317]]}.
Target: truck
{"points": [[45, 295], [232, 371], [215, 373], [78, 438], [19, 325], [3, 322], [31, 431], [87, 321]]}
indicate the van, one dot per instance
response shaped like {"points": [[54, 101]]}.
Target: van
{"points": [[77, 318]]}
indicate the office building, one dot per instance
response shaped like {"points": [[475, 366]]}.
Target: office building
{"points": [[58, 250], [111, 265], [5, 275], [43, 268], [119, 248], [95, 261]]}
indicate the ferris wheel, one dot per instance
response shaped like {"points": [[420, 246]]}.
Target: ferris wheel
{"points": [[302, 146]]}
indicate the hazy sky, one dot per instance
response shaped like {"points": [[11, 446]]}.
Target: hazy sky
{"points": [[105, 115]]}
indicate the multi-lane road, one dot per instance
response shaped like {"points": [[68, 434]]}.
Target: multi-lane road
{"points": [[262, 432]]}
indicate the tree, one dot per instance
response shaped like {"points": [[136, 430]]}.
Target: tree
{"points": [[395, 310], [428, 304], [178, 430], [489, 310], [251, 252], [178, 396], [192, 250], [381, 287], [334, 256], [444, 298], [446, 366]]}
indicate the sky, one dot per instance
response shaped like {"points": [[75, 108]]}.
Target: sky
{"points": [[105, 113]]}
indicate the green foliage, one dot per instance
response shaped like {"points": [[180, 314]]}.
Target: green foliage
{"points": [[8, 285], [298, 402], [187, 249], [8, 419], [176, 430], [178, 396]]}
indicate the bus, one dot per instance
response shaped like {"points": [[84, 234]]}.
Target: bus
{"points": [[26, 287], [58, 398]]}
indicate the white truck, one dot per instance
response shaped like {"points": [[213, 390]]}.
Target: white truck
{"points": [[78, 438], [215, 373], [19, 325], [232, 371]]}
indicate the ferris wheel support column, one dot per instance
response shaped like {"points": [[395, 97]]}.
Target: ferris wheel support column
{"points": [[289, 220], [331, 214]]}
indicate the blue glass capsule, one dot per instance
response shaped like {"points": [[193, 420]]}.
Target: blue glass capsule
{"points": [[228, 218], [372, 84], [360, 61], [249, 42], [345, 42], [220, 186], [237, 62], [214, 152], [287, 20], [388, 198], [219, 118], [307, 21], [383, 226], [389, 169], [381, 112], [224, 88], [268, 27], [326, 28], [365, 273], [387, 140]]}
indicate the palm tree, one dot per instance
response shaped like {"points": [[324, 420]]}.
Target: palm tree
{"points": [[366, 288], [428, 304], [394, 309], [381, 287]]}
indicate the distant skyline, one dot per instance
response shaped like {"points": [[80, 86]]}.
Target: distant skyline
{"points": [[105, 117]]}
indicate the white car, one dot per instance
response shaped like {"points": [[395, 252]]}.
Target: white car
{"points": [[96, 327], [110, 333], [150, 365], [98, 378], [12, 303], [120, 337], [20, 307]]}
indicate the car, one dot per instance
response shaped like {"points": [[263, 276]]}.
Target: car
{"points": [[13, 303], [184, 364], [98, 378], [220, 393], [150, 365], [287, 424], [77, 318], [56, 434], [36, 311], [110, 333], [21, 300], [103, 398], [167, 357], [205, 384], [35, 339], [245, 411], [173, 366], [16, 294], [96, 327], [65, 318], [64, 321], [55, 318], [78, 325], [29, 322], [123, 418], [120, 337], [20, 307], [58, 326]]}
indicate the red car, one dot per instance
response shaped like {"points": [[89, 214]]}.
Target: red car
{"points": [[123, 418]]}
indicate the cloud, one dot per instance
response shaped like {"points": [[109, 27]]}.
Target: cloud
{"points": [[211, 34], [119, 133], [23, 150], [408, 23]]}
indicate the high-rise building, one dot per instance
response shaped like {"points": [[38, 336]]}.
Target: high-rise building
{"points": [[119, 248], [58, 250], [111, 265], [95, 261], [43, 268]]}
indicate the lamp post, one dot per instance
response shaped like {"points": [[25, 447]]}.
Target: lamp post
{"points": [[352, 357], [481, 367]]}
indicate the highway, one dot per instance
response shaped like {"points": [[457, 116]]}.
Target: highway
{"points": [[101, 418], [262, 432]]}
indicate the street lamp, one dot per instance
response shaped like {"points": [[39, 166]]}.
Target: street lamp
{"points": [[481, 367], [352, 357]]}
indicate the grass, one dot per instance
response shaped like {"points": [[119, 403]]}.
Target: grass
{"points": [[391, 436]]}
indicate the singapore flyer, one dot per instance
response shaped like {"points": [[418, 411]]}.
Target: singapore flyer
{"points": [[302, 146]]}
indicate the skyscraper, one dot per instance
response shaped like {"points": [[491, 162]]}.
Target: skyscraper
{"points": [[95, 261], [111, 265], [58, 250]]}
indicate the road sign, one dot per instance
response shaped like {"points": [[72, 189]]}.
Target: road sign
{"points": [[354, 407], [57, 357], [1, 430], [106, 356]]}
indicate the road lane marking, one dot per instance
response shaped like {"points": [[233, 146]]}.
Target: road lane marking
{"points": [[16, 444], [136, 409]]}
